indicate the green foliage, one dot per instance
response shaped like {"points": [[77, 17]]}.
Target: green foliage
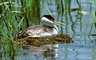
{"points": [[33, 11], [95, 2], [67, 4], [14, 16], [12, 19], [93, 21], [7, 19]]}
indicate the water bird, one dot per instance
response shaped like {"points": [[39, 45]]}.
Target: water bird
{"points": [[47, 29]]}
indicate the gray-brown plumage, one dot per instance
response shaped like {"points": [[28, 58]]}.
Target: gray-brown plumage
{"points": [[36, 31], [47, 29]]}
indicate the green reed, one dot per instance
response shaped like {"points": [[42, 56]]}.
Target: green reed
{"points": [[67, 5], [15, 16], [93, 21], [63, 7], [94, 54], [33, 11], [64, 11], [95, 2]]}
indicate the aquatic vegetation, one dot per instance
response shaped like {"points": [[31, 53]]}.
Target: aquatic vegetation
{"points": [[95, 2], [60, 38], [93, 21], [16, 15]]}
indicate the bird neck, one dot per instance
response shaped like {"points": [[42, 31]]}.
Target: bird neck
{"points": [[48, 23]]}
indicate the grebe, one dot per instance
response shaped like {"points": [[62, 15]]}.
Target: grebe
{"points": [[47, 29]]}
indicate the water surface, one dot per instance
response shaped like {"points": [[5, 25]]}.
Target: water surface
{"points": [[76, 25]]}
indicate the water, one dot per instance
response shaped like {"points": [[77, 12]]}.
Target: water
{"points": [[83, 47]]}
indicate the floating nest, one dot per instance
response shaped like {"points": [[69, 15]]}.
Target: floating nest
{"points": [[60, 38]]}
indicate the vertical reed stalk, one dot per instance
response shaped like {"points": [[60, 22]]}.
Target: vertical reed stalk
{"points": [[33, 12], [93, 21]]}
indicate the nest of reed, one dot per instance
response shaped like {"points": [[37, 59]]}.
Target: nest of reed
{"points": [[60, 38]]}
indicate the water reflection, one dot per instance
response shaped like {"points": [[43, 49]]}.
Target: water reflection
{"points": [[50, 54], [45, 52], [77, 26], [8, 51]]}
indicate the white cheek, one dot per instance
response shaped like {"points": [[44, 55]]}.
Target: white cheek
{"points": [[45, 19], [47, 22]]}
